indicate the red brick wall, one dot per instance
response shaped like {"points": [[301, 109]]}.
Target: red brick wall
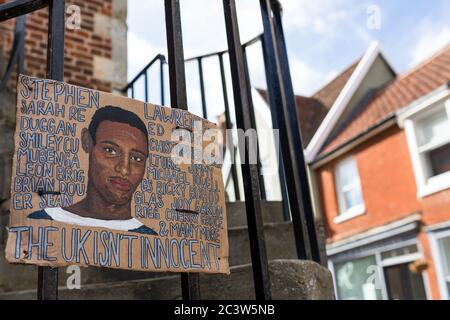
{"points": [[80, 45], [389, 191], [387, 181]]}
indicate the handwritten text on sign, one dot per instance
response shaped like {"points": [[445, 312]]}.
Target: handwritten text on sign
{"points": [[108, 181]]}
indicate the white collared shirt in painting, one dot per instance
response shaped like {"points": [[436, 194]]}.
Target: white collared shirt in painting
{"points": [[60, 215]]}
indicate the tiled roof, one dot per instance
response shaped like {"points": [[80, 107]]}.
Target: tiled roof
{"points": [[310, 113], [312, 110], [329, 93], [395, 95]]}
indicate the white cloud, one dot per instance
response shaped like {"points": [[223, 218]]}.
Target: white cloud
{"points": [[431, 38], [320, 16], [306, 79], [140, 52], [204, 32]]}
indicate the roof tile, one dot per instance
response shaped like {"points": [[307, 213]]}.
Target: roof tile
{"points": [[395, 95]]}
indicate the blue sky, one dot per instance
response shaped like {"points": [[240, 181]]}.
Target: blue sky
{"points": [[323, 36]]}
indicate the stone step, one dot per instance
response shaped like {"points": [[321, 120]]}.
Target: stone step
{"points": [[272, 211], [290, 279], [279, 243], [279, 238]]}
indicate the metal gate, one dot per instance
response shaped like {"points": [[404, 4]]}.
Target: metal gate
{"points": [[296, 195]]}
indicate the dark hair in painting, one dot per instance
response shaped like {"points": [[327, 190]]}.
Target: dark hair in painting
{"points": [[116, 114]]}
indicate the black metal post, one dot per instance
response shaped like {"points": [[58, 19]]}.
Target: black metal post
{"points": [[47, 276], [229, 125], [20, 23], [189, 281], [202, 88], [273, 107], [146, 86], [296, 134], [253, 121], [162, 61], [17, 52], [249, 171], [289, 145]]}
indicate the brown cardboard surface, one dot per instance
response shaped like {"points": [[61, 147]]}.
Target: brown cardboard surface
{"points": [[140, 211]]}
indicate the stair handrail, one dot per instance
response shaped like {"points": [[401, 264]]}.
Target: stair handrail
{"points": [[212, 54], [17, 51], [228, 162], [163, 60]]}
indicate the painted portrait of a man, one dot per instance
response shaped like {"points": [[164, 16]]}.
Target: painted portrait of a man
{"points": [[116, 141]]}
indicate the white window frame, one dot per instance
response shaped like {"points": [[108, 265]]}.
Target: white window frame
{"points": [[356, 210], [434, 237], [426, 186]]}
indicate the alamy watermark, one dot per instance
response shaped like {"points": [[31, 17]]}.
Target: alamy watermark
{"points": [[209, 146]]}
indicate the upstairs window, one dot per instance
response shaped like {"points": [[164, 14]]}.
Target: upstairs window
{"points": [[433, 137], [429, 140], [348, 189]]}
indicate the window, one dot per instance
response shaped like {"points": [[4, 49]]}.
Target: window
{"points": [[382, 272], [440, 246], [444, 248], [398, 252], [428, 135], [357, 279], [348, 189]]}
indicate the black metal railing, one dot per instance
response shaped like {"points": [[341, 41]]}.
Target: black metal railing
{"points": [[282, 100], [297, 202], [47, 276], [130, 88], [16, 56], [219, 56], [282, 105]]}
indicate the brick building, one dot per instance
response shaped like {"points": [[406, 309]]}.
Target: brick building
{"points": [[95, 57], [380, 163], [95, 53]]}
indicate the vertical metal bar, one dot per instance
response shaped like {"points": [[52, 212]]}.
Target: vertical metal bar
{"points": [[177, 78], [296, 134], [229, 125], [146, 85], [273, 107], [17, 52], [202, 88], [253, 122], [48, 277], [189, 281], [132, 90], [20, 23], [161, 78], [287, 142], [249, 171]]}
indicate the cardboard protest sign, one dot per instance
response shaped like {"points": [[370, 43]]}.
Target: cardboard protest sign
{"points": [[103, 180]]}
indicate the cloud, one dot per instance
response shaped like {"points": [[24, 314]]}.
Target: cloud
{"points": [[140, 52], [311, 28], [320, 16], [431, 38], [306, 79]]}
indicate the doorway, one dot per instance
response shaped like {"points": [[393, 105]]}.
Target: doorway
{"points": [[403, 284]]}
